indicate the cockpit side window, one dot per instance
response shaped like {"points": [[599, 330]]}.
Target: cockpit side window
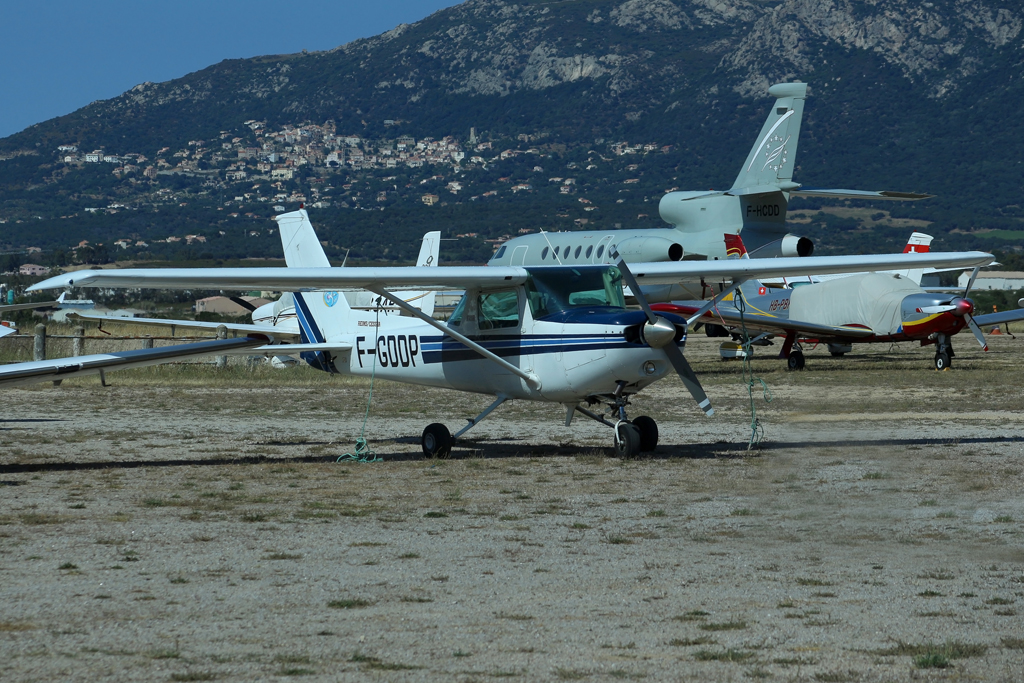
{"points": [[551, 290], [498, 310], [456, 318]]}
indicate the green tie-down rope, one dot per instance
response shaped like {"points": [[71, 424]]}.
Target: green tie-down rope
{"points": [[756, 428], [362, 450]]}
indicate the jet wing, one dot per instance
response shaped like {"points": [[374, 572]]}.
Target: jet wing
{"points": [[731, 317], [278, 331], [464, 277], [17, 374], [859, 194]]}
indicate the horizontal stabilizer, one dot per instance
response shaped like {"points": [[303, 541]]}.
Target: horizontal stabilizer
{"points": [[292, 349], [859, 194], [278, 331]]}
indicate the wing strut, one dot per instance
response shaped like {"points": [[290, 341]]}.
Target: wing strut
{"points": [[532, 380], [713, 302]]}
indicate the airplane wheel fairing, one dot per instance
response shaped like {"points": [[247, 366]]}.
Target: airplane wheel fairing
{"points": [[437, 441], [648, 429], [795, 360], [627, 443], [942, 361]]}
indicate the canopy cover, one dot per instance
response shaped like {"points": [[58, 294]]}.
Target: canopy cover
{"points": [[870, 299]]}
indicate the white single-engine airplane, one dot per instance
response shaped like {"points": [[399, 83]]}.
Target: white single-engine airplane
{"points": [[560, 334]]}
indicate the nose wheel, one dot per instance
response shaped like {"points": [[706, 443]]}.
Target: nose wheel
{"points": [[636, 437]]}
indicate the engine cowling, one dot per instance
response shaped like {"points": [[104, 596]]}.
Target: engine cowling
{"points": [[790, 245], [648, 249]]}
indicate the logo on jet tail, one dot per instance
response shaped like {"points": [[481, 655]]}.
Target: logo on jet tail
{"points": [[775, 153]]}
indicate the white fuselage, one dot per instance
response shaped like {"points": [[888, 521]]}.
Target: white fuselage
{"points": [[572, 360]]}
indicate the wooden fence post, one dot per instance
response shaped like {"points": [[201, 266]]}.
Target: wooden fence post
{"points": [[222, 333], [78, 343], [39, 348]]}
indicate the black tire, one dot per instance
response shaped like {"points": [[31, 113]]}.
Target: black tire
{"points": [[942, 361], [795, 360], [629, 444], [648, 433], [436, 441]]}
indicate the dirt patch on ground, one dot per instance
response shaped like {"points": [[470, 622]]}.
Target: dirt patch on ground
{"points": [[161, 529]]}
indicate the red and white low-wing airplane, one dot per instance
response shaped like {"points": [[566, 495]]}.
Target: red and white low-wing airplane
{"points": [[840, 311], [559, 334]]}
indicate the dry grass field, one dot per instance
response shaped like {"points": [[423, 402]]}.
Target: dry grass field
{"points": [[186, 524]]}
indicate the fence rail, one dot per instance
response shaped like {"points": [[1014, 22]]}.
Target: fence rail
{"points": [[107, 343]]}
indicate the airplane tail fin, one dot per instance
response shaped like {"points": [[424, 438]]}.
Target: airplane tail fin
{"points": [[772, 159], [919, 243], [429, 251], [301, 247], [322, 316], [735, 249]]}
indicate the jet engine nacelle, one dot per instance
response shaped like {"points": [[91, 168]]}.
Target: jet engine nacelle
{"points": [[790, 245], [648, 249]]}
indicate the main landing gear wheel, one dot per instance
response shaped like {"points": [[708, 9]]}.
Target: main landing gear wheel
{"points": [[795, 360], [942, 361], [648, 429], [627, 441], [437, 441]]}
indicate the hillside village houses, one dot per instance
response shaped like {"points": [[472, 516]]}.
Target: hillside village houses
{"points": [[276, 155]]}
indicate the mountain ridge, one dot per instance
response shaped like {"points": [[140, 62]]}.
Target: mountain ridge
{"points": [[902, 96]]}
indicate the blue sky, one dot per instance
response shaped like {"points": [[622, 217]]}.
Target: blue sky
{"points": [[59, 55]]}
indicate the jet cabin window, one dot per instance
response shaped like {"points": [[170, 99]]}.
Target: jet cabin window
{"points": [[552, 290]]}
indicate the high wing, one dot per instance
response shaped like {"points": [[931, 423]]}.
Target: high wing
{"points": [[7, 308], [17, 374], [766, 323], [463, 277], [1000, 318], [277, 332], [860, 194]]}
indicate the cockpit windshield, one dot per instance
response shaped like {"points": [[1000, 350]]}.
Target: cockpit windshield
{"points": [[551, 290]]}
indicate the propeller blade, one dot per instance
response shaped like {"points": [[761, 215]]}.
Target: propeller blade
{"points": [[977, 332], [970, 283], [689, 378], [627, 275], [675, 356]]}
